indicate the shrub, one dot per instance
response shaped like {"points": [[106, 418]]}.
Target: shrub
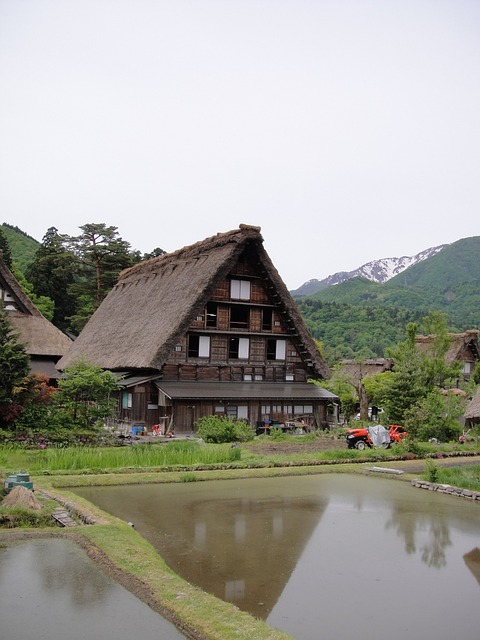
{"points": [[431, 471], [276, 433], [218, 430]]}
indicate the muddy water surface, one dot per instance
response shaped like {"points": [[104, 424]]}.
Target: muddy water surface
{"points": [[327, 556], [50, 590]]}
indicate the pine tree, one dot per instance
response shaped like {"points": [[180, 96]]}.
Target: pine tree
{"points": [[52, 274], [6, 254], [14, 371]]}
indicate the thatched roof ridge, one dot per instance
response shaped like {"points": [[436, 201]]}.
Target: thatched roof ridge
{"points": [[152, 305], [359, 369], [41, 337], [190, 252], [458, 342], [473, 410], [22, 299]]}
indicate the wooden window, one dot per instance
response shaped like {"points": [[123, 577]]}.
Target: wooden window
{"points": [[239, 317], [276, 349], [211, 314], [127, 400], [238, 348], [267, 315], [240, 290], [299, 409], [198, 346], [238, 411]]}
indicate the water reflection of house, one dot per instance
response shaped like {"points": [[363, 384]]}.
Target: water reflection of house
{"points": [[208, 329], [472, 560], [243, 551], [45, 344]]}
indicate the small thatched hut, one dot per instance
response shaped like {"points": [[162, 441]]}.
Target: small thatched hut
{"points": [[464, 348], [356, 370], [45, 343], [472, 414]]}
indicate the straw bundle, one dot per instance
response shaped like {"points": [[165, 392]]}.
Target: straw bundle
{"points": [[21, 497]]}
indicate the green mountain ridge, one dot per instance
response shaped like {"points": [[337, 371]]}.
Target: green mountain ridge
{"points": [[448, 281]]}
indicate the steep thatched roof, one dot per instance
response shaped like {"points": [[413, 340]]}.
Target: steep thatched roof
{"points": [[459, 341], [153, 304], [41, 337], [473, 409]]}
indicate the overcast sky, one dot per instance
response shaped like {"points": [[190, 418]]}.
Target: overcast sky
{"points": [[349, 130]]}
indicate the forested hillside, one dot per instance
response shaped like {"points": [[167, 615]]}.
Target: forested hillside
{"points": [[348, 331], [22, 246], [359, 318]]}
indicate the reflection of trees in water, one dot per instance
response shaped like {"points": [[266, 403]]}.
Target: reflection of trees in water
{"points": [[61, 567], [408, 523], [433, 554]]}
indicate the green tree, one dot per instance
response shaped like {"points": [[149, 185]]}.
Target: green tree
{"points": [[36, 413], [475, 377], [52, 274], [138, 257], [343, 386], [14, 372], [102, 254], [436, 416], [44, 304], [84, 395], [6, 254], [407, 384], [438, 372]]}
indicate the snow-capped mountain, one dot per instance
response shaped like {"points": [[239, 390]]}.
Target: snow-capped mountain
{"points": [[376, 271]]}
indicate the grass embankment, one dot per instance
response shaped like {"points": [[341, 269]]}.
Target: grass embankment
{"points": [[466, 477]]}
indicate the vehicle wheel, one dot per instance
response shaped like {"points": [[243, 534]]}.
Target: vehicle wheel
{"points": [[360, 445]]}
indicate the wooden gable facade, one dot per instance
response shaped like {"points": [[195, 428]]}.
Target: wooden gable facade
{"points": [[226, 338]]}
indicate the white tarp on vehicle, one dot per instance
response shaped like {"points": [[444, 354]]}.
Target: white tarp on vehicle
{"points": [[379, 436]]}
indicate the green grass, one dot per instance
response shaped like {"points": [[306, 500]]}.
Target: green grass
{"points": [[467, 477], [98, 459]]}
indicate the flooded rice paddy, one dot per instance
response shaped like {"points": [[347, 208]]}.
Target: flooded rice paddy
{"points": [[326, 556], [50, 590]]}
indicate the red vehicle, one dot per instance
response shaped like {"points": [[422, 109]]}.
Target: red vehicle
{"points": [[375, 435]]}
